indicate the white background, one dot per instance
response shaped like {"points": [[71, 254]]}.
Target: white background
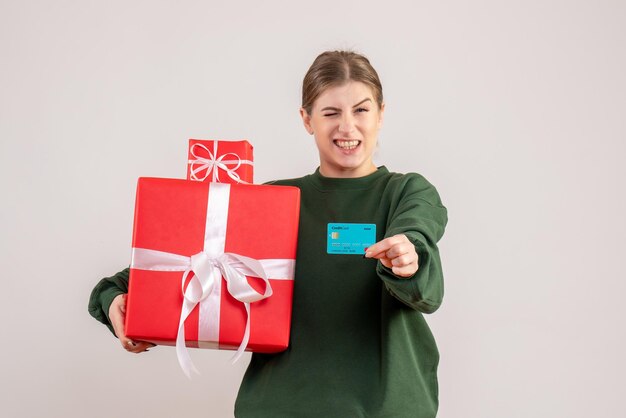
{"points": [[514, 110]]}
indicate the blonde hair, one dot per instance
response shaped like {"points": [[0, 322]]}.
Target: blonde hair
{"points": [[334, 68]]}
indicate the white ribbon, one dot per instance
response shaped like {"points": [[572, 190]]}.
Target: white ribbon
{"points": [[214, 164], [209, 266]]}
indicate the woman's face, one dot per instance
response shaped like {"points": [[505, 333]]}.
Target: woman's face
{"points": [[345, 121]]}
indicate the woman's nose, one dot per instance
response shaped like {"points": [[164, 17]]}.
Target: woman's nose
{"points": [[346, 124]]}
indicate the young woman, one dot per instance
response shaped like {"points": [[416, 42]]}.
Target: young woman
{"points": [[360, 346]]}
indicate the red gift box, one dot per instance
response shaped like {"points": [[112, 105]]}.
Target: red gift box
{"points": [[220, 161], [211, 260]]}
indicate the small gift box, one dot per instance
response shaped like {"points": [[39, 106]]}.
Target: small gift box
{"points": [[212, 266], [220, 161]]}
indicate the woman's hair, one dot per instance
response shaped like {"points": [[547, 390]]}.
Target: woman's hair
{"points": [[334, 68]]}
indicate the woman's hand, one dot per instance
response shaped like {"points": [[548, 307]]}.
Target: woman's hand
{"points": [[117, 314], [396, 253]]}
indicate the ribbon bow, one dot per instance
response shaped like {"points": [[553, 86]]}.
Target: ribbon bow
{"points": [[207, 272], [214, 163]]}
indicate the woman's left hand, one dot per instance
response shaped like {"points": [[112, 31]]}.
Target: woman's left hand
{"points": [[396, 253]]}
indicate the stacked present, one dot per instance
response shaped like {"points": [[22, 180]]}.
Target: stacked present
{"points": [[213, 259], [233, 161]]}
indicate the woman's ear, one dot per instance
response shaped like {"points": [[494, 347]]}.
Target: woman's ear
{"points": [[306, 120], [381, 115]]}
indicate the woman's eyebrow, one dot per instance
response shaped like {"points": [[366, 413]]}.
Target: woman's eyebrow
{"points": [[361, 102]]}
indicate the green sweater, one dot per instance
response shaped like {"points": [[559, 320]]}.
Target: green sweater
{"points": [[360, 346]]}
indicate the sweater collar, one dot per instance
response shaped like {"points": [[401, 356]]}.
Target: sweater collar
{"points": [[339, 183]]}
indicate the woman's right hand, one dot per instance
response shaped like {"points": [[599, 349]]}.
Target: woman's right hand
{"points": [[117, 314]]}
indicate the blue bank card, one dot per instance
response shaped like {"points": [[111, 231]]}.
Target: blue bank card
{"points": [[350, 238]]}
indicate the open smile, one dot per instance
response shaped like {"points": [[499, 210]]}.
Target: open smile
{"points": [[347, 144]]}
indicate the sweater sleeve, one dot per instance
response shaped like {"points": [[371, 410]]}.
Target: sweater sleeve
{"points": [[418, 213], [103, 294]]}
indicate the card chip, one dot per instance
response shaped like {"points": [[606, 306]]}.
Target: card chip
{"points": [[334, 235]]}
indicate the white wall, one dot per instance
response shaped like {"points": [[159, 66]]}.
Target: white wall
{"points": [[514, 110]]}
